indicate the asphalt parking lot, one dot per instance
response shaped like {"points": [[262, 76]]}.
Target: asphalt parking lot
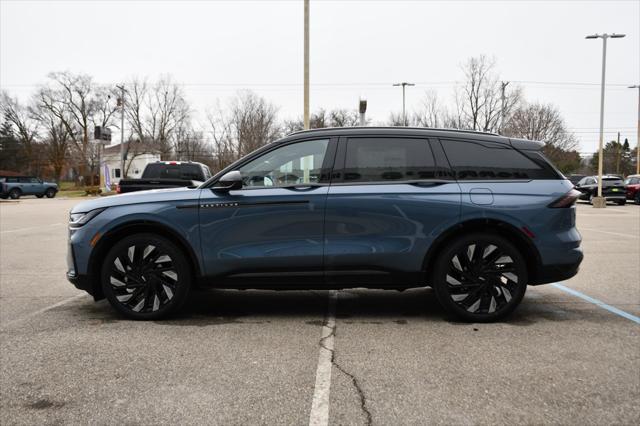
{"points": [[259, 357]]}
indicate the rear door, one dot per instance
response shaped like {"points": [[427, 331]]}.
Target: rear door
{"points": [[390, 197]]}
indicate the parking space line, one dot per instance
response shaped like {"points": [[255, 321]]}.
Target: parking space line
{"points": [[30, 228], [617, 234], [319, 415], [43, 310], [598, 303]]}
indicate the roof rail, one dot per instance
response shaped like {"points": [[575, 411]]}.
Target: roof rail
{"points": [[395, 127]]}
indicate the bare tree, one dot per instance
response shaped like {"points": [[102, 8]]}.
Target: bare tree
{"points": [[155, 112], [79, 104], [248, 123], [54, 135], [340, 117], [541, 122], [190, 145], [479, 102], [25, 128], [431, 114]]}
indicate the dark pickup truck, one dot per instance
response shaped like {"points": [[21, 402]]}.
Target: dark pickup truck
{"points": [[166, 174]]}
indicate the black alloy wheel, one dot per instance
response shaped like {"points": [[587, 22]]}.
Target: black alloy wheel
{"points": [[146, 276], [14, 194], [480, 278]]}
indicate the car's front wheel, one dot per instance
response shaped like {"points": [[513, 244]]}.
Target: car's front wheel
{"points": [[50, 193], [14, 194], [146, 277], [480, 277]]}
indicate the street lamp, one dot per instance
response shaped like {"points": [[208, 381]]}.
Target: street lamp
{"points": [[637, 86], [599, 201], [404, 114]]}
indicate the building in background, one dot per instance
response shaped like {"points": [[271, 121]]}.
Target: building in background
{"points": [[137, 156]]}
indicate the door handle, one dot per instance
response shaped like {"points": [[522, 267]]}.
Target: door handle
{"points": [[429, 183], [302, 186]]}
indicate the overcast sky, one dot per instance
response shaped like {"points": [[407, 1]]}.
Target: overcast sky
{"points": [[358, 48]]}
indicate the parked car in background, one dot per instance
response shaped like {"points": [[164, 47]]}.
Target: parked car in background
{"points": [[633, 188], [476, 216], [574, 179], [166, 174], [612, 189], [15, 187]]}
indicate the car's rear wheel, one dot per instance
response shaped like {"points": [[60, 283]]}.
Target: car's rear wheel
{"points": [[50, 193], [15, 193], [146, 277], [480, 277]]}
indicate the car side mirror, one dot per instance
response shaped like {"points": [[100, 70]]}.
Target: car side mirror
{"points": [[230, 181]]}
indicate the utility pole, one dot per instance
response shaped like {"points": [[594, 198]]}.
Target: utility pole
{"points": [[404, 113], [503, 100], [637, 86], [306, 64], [121, 103], [599, 201]]}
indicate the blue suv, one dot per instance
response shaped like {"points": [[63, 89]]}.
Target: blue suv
{"points": [[475, 216]]}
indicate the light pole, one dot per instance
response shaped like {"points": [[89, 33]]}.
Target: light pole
{"points": [[404, 114], [306, 64], [599, 201], [637, 86], [121, 103]]}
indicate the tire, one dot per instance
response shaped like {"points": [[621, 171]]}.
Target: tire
{"points": [[470, 283], [15, 193], [590, 198], [146, 277], [50, 193], [621, 202], [636, 199]]}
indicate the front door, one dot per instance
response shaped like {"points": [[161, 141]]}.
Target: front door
{"points": [[271, 230], [389, 199]]}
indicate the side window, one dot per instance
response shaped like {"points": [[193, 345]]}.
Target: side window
{"points": [[590, 181], [24, 180], [34, 180], [297, 163], [388, 159], [489, 161]]}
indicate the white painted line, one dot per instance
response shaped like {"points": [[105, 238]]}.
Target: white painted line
{"points": [[320, 406], [617, 234], [43, 310], [597, 302], [31, 228]]}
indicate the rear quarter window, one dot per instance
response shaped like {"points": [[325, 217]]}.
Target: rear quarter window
{"points": [[495, 161]]}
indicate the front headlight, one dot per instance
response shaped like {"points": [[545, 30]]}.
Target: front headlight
{"points": [[76, 220]]}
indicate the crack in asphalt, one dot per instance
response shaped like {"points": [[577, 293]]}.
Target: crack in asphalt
{"points": [[354, 380]]}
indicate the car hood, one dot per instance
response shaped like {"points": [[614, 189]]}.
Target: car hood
{"points": [[140, 197]]}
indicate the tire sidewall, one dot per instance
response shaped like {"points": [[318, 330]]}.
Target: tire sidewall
{"points": [[442, 267], [179, 261], [50, 193], [14, 194]]}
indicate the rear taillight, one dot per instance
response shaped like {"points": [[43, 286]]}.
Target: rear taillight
{"points": [[567, 200]]}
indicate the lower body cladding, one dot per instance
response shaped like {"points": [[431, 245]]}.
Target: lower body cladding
{"points": [[540, 273]]}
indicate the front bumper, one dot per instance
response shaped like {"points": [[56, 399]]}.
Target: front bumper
{"points": [[81, 282]]}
